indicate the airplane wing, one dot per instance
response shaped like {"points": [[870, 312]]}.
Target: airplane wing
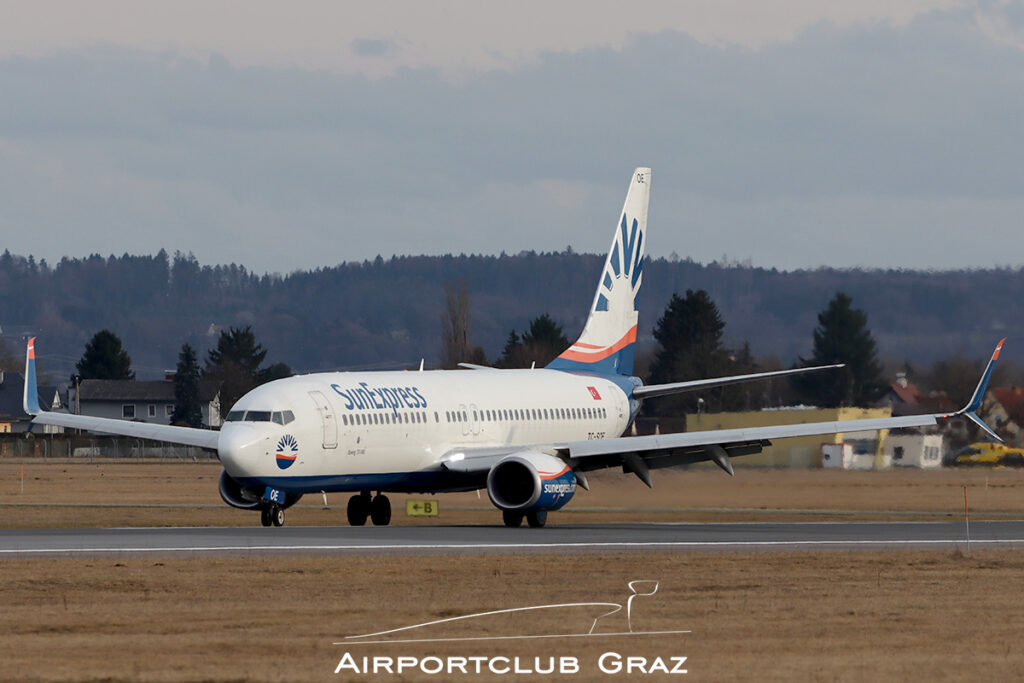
{"points": [[204, 438], [640, 454]]}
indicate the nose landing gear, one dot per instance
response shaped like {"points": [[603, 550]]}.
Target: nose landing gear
{"points": [[272, 516]]}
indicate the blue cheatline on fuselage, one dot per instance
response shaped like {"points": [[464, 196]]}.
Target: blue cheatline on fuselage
{"points": [[396, 482]]}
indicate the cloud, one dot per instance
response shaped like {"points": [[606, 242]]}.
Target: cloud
{"points": [[371, 47], [843, 146]]}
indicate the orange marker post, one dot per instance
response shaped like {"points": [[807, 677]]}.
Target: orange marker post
{"points": [[967, 522]]}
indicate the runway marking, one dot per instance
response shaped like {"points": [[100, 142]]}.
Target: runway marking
{"points": [[511, 546]]}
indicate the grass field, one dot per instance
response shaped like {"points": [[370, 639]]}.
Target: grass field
{"points": [[763, 616], [157, 493], [857, 616]]}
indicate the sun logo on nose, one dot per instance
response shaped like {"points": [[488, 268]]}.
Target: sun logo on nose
{"points": [[287, 451]]}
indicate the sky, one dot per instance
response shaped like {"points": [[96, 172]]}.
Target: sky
{"points": [[285, 136]]}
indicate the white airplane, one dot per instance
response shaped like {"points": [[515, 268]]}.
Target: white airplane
{"points": [[528, 436]]}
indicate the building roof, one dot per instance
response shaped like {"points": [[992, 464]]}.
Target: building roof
{"points": [[907, 399], [120, 390]]}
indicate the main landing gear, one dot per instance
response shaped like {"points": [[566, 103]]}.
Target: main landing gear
{"points": [[514, 520], [361, 506], [272, 516]]}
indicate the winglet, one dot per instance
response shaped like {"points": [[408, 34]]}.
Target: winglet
{"points": [[30, 399], [978, 396]]}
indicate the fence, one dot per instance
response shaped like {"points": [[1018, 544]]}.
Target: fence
{"points": [[67, 446]]}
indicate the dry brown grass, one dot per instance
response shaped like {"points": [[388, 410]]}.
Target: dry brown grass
{"points": [[765, 616], [185, 494]]}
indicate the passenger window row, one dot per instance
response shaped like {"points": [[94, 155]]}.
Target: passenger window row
{"points": [[527, 414], [386, 418]]}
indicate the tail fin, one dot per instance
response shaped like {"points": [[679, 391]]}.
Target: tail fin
{"points": [[30, 399], [606, 344]]}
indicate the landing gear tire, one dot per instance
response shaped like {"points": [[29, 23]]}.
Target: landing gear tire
{"points": [[358, 509], [265, 519], [513, 520], [380, 510], [537, 519], [277, 516]]}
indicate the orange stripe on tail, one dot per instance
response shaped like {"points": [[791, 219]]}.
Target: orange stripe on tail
{"points": [[593, 357]]}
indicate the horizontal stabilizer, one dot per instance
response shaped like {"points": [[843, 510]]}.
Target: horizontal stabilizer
{"points": [[653, 390]]}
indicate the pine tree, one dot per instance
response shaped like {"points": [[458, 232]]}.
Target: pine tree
{"points": [[104, 358], [235, 364], [842, 336], [538, 346], [187, 409], [689, 335]]}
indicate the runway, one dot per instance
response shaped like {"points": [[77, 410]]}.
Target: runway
{"points": [[687, 537]]}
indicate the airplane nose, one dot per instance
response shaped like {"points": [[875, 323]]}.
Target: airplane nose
{"points": [[237, 448]]}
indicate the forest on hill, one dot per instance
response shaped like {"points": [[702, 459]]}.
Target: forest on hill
{"points": [[386, 313]]}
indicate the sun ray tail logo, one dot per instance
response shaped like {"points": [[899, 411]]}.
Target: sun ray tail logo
{"points": [[287, 451], [625, 263]]}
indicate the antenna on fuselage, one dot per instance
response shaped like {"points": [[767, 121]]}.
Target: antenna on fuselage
{"points": [[421, 364]]}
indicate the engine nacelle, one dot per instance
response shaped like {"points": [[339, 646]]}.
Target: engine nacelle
{"points": [[527, 482], [238, 496]]}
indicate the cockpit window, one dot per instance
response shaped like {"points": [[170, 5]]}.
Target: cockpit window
{"points": [[235, 416], [289, 416], [257, 416], [277, 417]]}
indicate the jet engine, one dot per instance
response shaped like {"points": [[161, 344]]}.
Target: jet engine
{"points": [[238, 496], [529, 482]]}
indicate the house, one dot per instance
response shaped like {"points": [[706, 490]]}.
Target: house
{"points": [[13, 419], [906, 398], [1004, 408], [140, 401]]}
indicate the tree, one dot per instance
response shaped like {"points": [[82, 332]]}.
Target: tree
{"points": [[746, 395], [187, 410], [272, 372], [842, 336], [689, 335], [455, 328], [105, 359], [539, 345], [235, 363], [12, 359]]}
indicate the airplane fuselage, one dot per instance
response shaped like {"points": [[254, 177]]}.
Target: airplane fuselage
{"points": [[389, 430]]}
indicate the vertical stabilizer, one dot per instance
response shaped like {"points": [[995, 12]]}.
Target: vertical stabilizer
{"points": [[606, 344], [30, 399]]}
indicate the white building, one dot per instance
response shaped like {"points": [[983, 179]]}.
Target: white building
{"points": [[923, 451]]}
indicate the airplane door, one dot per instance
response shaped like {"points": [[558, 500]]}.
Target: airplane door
{"points": [[465, 422], [328, 418], [474, 424]]}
